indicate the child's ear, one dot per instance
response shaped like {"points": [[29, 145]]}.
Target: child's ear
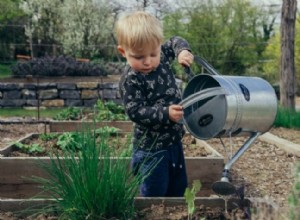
{"points": [[121, 50]]}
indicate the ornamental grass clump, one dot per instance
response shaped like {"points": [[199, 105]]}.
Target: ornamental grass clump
{"points": [[90, 184], [287, 118]]}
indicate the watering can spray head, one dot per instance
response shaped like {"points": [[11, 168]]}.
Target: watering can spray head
{"points": [[224, 186]]}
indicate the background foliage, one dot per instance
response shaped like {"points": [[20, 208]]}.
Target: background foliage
{"points": [[237, 37], [272, 52]]}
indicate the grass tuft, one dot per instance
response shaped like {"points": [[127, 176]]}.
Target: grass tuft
{"points": [[287, 118], [86, 187]]}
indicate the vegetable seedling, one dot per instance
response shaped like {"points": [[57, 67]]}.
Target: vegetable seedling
{"points": [[190, 195]]}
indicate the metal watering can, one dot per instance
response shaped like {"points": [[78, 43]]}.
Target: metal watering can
{"points": [[227, 106]]}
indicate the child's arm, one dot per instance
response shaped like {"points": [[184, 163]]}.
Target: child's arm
{"points": [[176, 47]]}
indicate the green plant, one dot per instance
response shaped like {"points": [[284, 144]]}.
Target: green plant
{"points": [[294, 196], [30, 149], [107, 129], [70, 141], [114, 108], [110, 111], [91, 185], [190, 195], [5, 71], [48, 136], [70, 113], [21, 112], [287, 118]]}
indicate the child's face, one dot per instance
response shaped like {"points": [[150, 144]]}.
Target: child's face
{"points": [[143, 61]]}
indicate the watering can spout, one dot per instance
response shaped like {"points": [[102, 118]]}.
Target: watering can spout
{"points": [[224, 187]]}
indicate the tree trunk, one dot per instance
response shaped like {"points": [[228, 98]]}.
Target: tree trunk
{"points": [[287, 63]]}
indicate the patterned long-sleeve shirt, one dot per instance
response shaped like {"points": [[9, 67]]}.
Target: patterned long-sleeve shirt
{"points": [[146, 98]]}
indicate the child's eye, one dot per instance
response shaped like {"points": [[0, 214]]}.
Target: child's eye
{"points": [[154, 55], [138, 57]]}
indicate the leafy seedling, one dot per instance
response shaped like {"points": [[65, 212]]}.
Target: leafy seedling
{"points": [[70, 113], [190, 195], [69, 141], [30, 149], [107, 130], [48, 137]]}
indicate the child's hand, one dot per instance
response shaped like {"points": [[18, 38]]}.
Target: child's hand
{"points": [[185, 58], [175, 112]]}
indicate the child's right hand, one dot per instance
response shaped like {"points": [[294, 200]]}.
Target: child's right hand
{"points": [[175, 112]]}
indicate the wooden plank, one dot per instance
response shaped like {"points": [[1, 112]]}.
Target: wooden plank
{"points": [[18, 172], [20, 191], [207, 170], [284, 144], [11, 205], [209, 148], [142, 203], [14, 205], [65, 126], [25, 191]]}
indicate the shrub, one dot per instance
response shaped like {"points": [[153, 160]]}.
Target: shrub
{"points": [[112, 68], [57, 66]]}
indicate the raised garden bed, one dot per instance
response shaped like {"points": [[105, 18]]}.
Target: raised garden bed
{"points": [[202, 161], [171, 208]]}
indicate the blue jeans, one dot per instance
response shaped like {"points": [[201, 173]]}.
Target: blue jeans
{"points": [[165, 171]]}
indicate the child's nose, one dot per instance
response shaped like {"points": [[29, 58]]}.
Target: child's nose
{"points": [[147, 60]]}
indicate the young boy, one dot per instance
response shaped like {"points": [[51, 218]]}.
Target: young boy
{"points": [[151, 96]]}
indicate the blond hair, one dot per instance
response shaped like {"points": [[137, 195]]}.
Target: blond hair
{"points": [[139, 30]]}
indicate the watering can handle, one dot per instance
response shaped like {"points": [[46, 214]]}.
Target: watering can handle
{"points": [[203, 94], [189, 72], [201, 61]]}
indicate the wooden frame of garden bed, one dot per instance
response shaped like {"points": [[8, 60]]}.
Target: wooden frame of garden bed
{"points": [[140, 203], [14, 172], [66, 126]]}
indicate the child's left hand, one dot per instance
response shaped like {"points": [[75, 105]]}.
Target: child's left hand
{"points": [[175, 112], [185, 58]]}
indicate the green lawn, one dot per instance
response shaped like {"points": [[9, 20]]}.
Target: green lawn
{"points": [[5, 71], [20, 112]]}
